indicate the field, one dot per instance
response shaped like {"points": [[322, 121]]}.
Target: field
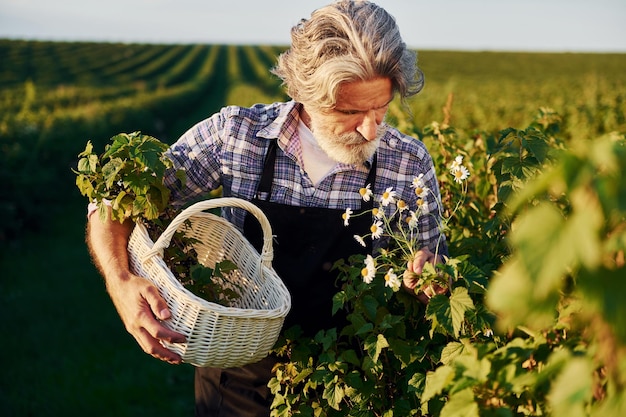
{"points": [[65, 351]]}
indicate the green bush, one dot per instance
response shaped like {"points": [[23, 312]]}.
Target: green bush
{"points": [[532, 324]]}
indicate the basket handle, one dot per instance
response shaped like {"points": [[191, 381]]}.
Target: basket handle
{"points": [[267, 253]]}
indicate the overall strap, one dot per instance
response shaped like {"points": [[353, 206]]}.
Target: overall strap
{"points": [[267, 178]]}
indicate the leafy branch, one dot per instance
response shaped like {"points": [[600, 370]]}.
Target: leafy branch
{"points": [[127, 182]]}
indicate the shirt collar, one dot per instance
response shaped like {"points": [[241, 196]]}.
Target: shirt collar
{"points": [[285, 129], [285, 124]]}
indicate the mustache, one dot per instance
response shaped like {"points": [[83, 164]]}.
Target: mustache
{"points": [[355, 138]]}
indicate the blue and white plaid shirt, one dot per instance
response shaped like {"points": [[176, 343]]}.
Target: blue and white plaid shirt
{"points": [[228, 149]]}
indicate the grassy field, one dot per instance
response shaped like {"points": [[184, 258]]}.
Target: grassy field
{"points": [[66, 352]]}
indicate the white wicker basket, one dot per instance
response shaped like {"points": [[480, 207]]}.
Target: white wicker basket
{"points": [[217, 336]]}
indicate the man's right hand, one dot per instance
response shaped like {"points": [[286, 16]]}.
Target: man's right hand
{"points": [[142, 309], [137, 301]]}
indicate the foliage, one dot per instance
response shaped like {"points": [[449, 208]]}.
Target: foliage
{"points": [[532, 324], [128, 175], [126, 182]]}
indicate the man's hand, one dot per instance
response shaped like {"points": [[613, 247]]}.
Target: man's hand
{"points": [[137, 301], [140, 307], [414, 269]]}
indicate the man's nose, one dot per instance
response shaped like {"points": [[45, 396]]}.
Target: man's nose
{"points": [[368, 126]]}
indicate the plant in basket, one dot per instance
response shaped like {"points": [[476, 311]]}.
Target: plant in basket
{"points": [[126, 182]]}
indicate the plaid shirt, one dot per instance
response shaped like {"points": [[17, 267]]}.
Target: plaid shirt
{"points": [[228, 149]]}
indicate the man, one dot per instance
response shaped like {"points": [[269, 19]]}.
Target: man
{"points": [[302, 162]]}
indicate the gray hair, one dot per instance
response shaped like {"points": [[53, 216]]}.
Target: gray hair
{"points": [[344, 42]]}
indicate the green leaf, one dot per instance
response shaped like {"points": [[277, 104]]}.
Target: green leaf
{"points": [[364, 329], [436, 382], [572, 390], [513, 165], [84, 186], [562, 243], [201, 274], [460, 302], [119, 142], [88, 164], [474, 277], [88, 150], [538, 146], [403, 351], [375, 347], [224, 267], [339, 300], [461, 404], [350, 356], [333, 393], [439, 312], [111, 170], [302, 375], [370, 306], [417, 382], [451, 351]]}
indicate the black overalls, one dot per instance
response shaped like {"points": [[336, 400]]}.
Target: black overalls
{"points": [[308, 241]]}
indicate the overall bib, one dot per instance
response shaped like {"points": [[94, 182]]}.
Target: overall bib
{"points": [[308, 241]]}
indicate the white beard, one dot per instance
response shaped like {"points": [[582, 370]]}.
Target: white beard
{"points": [[347, 148]]}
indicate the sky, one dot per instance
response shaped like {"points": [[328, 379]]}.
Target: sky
{"points": [[504, 25]]}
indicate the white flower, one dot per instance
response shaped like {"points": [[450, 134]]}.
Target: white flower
{"points": [[421, 190], [346, 216], [389, 196], [392, 280], [459, 171], [366, 193], [418, 182], [402, 206], [377, 213], [360, 240], [488, 332], [458, 161], [376, 229], [422, 206], [460, 174], [412, 220], [369, 271]]}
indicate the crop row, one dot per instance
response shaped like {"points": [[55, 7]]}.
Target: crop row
{"points": [[50, 106]]}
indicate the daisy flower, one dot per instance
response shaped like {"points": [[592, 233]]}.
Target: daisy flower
{"points": [[369, 271], [412, 220], [377, 213], [346, 216], [377, 229], [360, 240], [418, 182], [458, 161], [422, 206], [366, 192], [460, 174], [421, 190], [402, 205], [389, 196], [392, 280]]}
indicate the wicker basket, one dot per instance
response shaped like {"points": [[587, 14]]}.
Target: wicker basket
{"points": [[217, 336]]}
